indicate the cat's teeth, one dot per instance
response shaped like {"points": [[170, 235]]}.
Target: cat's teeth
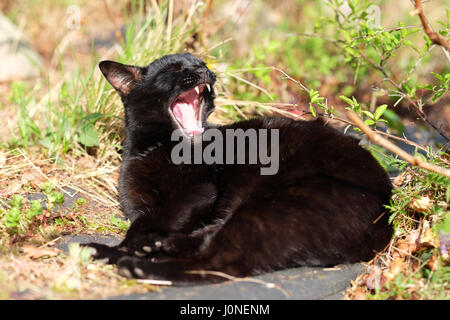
{"points": [[207, 86], [197, 90]]}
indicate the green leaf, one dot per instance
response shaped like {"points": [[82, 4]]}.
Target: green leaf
{"points": [[369, 114], [59, 197], [379, 112], [81, 201], [369, 122], [16, 201], [93, 117], [36, 206], [437, 95], [438, 76], [88, 136], [349, 101], [313, 110], [36, 209], [47, 187], [13, 218]]}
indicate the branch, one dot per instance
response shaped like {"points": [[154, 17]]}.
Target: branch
{"points": [[418, 109], [376, 138], [404, 140], [434, 36]]}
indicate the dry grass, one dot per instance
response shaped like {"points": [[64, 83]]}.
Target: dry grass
{"points": [[58, 275], [412, 266]]}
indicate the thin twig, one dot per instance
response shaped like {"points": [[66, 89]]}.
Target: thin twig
{"points": [[42, 174], [434, 36], [269, 285], [376, 138], [333, 117], [155, 282], [250, 84], [418, 109]]}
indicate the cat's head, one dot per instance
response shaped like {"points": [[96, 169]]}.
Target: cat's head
{"points": [[175, 91]]}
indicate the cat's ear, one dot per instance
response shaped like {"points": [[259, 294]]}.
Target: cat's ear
{"points": [[122, 77]]}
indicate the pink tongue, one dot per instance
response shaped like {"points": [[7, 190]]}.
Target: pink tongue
{"points": [[185, 114]]}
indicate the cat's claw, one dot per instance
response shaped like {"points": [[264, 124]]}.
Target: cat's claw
{"points": [[104, 253], [139, 253], [147, 249], [148, 245], [128, 268]]}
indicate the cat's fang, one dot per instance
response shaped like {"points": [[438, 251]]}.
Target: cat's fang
{"points": [[208, 87], [197, 90]]}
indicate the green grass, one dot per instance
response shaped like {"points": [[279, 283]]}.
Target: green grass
{"points": [[82, 112]]}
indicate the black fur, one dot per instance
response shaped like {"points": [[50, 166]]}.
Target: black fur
{"points": [[318, 210]]}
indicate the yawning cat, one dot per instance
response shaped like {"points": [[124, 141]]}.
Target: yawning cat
{"points": [[322, 207]]}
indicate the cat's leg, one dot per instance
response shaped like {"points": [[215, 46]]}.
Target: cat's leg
{"points": [[231, 247], [176, 239], [176, 272], [169, 229], [152, 243], [186, 232], [173, 244], [216, 263]]}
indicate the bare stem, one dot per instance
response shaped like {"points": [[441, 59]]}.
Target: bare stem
{"points": [[376, 138], [434, 36], [418, 109]]}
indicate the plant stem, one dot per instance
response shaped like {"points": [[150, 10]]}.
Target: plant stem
{"points": [[376, 138]]}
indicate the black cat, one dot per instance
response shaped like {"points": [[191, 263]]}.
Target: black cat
{"points": [[324, 205]]}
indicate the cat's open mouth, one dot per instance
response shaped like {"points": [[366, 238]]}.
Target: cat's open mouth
{"points": [[187, 110]]}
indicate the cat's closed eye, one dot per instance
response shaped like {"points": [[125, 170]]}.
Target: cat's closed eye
{"points": [[173, 67]]}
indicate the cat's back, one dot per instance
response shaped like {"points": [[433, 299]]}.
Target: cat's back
{"points": [[312, 147]]}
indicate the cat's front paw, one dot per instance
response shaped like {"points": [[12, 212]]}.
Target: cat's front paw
{"points": [[141, 268], [104, 253], [133, 267], [149, 244]]}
